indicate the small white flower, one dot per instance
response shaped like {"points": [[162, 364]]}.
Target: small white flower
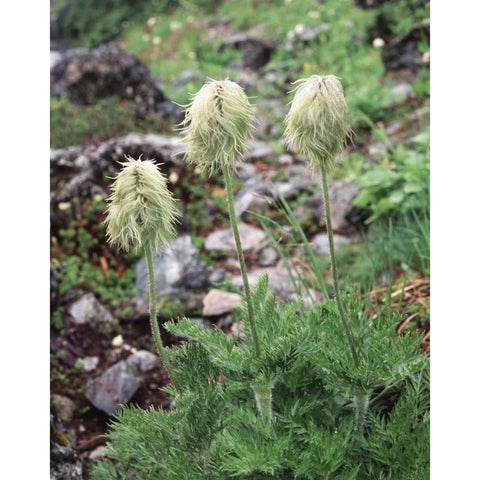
{"points": [[156, 40], [378, 42], [299, 28], [175, 26], [117, 341], [152, 21], [173, 177]]}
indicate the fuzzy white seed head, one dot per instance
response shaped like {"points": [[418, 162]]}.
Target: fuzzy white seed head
{"points": [[141, 211], [217, 125], [317, 124]]}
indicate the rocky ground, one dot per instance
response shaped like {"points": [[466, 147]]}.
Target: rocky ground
{"points": [[102, 354]]}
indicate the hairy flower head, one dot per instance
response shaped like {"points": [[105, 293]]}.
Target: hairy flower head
{"points": [[141, 211], [317, 124], [217, 124]]}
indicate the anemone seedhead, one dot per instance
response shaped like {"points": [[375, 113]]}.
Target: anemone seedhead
{"points": [[317, 124], [141, 211], [217, 125]]}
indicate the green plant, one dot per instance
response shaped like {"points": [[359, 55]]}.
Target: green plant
{"points": [[216, 429], [400, 183], [217, 124], [72, 124], [141, 214], [291, 397], [318, 126], [91, 23]]}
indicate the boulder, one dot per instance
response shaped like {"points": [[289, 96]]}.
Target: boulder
{"points": [[84, 76], [79, 172], [179, 274]]}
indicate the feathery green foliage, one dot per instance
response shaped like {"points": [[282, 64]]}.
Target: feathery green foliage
{"points": [[317, 123], [141, 212], [217, 124], [216, 430]]}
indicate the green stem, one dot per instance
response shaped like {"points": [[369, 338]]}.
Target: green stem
{"points": [[333, 260], [263, 398], [361, 401], [241, 258], [153, 310]]}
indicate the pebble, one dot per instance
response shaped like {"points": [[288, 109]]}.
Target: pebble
{"points": [[218, 302], [252, 238], [87, 309]]}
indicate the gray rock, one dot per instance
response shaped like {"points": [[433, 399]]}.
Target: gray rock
{"points": [[218, 302], [321, 245], [252, 238], [178, 272], [65, 463], [342, 196], [79, 172], [88, 364], [403, 91], [268, 257], [302, 36], [87, 75], [245, 170], [285, 159], [258, 150], [112, 388], [279, 282], [64, 407], [403, 52], [255, 196], [143, 361], [98, 453], [256, 52], [88, 309], [258, 195], [216, 275]]}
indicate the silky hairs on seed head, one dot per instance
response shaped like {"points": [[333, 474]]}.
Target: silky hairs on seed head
{"points": [[317, 124], [217, 124], [141, 211]]}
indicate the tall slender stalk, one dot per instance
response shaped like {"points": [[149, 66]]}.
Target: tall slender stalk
{"points": [[333, 260], [153, 311], [241, 258]]}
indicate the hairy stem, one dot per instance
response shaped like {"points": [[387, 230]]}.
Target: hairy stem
{"points": [[361, 401], [241, 258], [153, 311], [333, 261], [263, 399]]}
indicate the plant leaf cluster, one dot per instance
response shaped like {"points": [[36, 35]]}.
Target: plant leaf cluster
{"points": [[215, 429]]}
